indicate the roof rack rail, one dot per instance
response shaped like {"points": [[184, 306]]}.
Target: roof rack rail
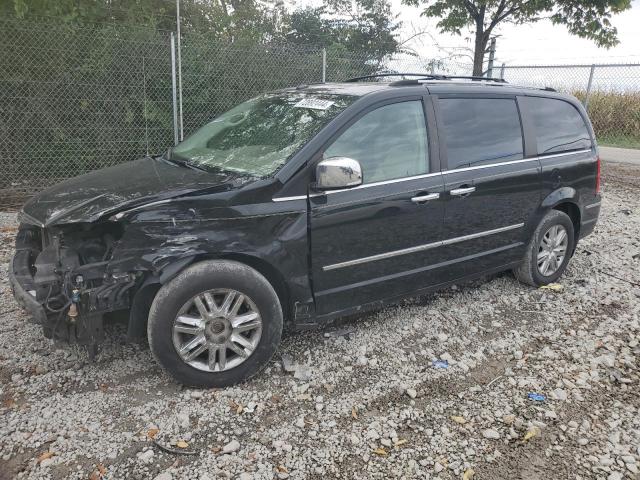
{"points": [[425, 76], [430, 76]]}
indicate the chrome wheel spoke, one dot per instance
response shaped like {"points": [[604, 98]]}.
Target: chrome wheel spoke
{"points": [[210, 301], [191, 321], [202, 309], [542, 255], [226, 303], [222, 357], [193, 348], [237, 349], [189, 330], [245, 327], [242, 319]]}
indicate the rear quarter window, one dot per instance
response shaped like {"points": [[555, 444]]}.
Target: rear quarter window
{"points": [[559, 127]]}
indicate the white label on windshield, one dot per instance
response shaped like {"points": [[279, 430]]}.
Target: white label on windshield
{"points": [[314, 103]]}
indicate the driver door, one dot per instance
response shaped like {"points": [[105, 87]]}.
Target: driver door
{"points": [[377, 240]]}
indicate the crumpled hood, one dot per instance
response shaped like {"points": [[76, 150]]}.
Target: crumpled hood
{"points": [[89, 197]]}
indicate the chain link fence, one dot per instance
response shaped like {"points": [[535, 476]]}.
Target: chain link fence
{"points": [[78, 98], [74, 99]]}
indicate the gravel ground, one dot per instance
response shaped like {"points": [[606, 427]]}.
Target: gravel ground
{"points": [[362, 399]]}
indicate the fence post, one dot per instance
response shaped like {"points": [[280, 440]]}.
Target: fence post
{"points": [[586, 97], [173, 89], [144, 105], [179, 70], [502, 72], [492, 55], [324, 65]]}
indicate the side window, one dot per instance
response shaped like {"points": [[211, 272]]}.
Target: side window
{"points": [[481, 131], [389, 142], [559, 126]]}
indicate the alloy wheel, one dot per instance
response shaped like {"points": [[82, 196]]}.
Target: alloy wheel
{"points": [[552, 250], [217, 330]]}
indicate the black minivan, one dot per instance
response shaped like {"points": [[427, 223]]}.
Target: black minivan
{"points": [[307, 204]]}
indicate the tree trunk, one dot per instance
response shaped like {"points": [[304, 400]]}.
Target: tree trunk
{"points": [[480, 46]]}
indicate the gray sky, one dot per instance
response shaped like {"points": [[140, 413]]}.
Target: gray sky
{"points": [[538, 43]]}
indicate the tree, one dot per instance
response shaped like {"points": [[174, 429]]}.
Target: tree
{"points": [[365, 27], [584, 18]]}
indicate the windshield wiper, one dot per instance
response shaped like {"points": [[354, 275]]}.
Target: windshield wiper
{"points": [[182, 163]]}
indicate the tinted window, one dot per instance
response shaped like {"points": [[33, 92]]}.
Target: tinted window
{"points": [[389, 142], [559, 126], [481, 130]]}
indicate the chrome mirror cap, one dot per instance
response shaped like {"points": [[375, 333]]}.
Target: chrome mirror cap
{"points": [[338, 172]]}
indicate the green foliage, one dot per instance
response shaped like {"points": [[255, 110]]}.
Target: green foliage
{"points": [[365, 26]]}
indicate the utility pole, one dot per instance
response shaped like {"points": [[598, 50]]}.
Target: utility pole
{"points": [[492, 55]]}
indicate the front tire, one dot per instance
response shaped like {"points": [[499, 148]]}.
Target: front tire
{"points": [[549, 250], [216, 324]]}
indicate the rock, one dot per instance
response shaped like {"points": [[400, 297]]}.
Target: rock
{"points": [[491, 434], [183, 420], [164, 476], [146, 456], [583, 441], [362, 361], [615, 476], [354, 439], [47, 462], [411, 392], [438, 467], [509, 419], [559, 394], [231, 447], [287, 363]]}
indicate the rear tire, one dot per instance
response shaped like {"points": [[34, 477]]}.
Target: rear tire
{"points": [[552, 239], [224, 314]]}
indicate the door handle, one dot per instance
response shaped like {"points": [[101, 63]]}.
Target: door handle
{"points": [[462, 191], [425, 198]]}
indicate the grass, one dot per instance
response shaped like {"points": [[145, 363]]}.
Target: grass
{"points": [[619, 141]]}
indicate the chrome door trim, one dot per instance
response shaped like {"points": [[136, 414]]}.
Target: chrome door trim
{"points": [[419, 248], [425, 198], [563, 154], [426, 175], [288, 199]]}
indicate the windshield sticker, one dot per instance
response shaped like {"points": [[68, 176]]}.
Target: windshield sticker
{"points": [[314, 103]]}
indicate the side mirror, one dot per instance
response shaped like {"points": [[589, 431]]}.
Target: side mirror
{"points": [[338, 172]]}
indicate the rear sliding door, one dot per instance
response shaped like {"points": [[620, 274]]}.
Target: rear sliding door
{"points": [[492, 188]]}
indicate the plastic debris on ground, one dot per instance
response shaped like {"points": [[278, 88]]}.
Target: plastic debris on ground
{"points": [[440, 364], [536, 397]]}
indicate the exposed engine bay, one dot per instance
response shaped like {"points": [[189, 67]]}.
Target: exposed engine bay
{"points": [[68, 271]]}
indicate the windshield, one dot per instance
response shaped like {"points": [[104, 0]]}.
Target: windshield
{"points": [[259, 136]]}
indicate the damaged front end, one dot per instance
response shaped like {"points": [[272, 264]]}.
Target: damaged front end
{"points": [[66, 278]]}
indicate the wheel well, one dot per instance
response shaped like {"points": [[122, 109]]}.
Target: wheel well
{"points": [[274, 277], [572, 210]]}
